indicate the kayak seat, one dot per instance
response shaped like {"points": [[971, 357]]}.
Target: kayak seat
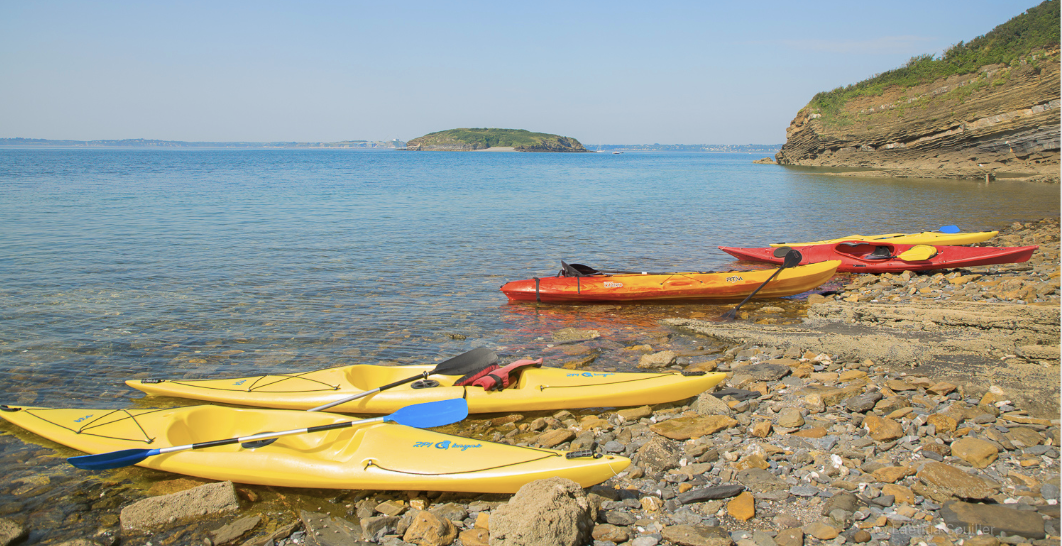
{"points": [[577, 270], [495, 378], [879, 253]]}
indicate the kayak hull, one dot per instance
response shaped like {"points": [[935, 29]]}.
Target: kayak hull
{"points": [[537, 389], [375, 456], [923, 238], [854, 256], [722, 286]]}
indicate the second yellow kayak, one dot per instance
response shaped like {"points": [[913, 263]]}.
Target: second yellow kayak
{"points": [[537, 389], [923, 238]]}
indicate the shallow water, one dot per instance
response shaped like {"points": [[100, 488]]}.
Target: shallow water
{"points": [[118, 264]]}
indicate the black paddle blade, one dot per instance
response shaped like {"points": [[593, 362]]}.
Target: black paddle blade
{"points": [[781, 251], [472, 361], [792, 258]]}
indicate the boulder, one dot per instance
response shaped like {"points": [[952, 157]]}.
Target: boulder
{"points": [[550, 511], [993, 519], [212, 498], [657, 455]]}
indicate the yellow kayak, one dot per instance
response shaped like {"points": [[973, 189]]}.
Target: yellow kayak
{"points": [[373, 456], [924, 238], [537, 389]]}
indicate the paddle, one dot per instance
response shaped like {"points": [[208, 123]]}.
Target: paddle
{"points": [[949, 229], [428, 414], [472, 361], [792, 258]]}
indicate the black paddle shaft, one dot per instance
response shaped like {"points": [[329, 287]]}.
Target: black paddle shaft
{"points": [[792, 258]]}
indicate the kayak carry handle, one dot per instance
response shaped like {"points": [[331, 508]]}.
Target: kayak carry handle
{"points": [[692, 374], [582, 453]]}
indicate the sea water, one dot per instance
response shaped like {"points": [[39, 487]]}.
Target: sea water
{"points": [[134, 263]]}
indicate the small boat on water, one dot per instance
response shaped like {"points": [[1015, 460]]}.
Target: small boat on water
{"points": [[880, 257], [947, 235], [580, 283], [535, 388], [373, 456]]}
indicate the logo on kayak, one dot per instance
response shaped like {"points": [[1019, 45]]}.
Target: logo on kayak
{"points": [[613, 284], [80, 419], [447, 444], [240, 382], [590, 374], [734, 279]]}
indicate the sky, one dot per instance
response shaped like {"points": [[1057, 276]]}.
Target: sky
{"points": [[707, 72]]}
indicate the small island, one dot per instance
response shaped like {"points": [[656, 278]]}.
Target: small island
{"points": [[517, 140]]}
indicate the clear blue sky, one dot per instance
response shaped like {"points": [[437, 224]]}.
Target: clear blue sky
{"points": [[602, 72]]}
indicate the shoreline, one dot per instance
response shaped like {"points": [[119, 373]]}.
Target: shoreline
{"points": [[832, 380]]}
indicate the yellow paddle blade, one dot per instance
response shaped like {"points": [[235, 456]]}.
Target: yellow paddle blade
{"points": [[918, 253]]}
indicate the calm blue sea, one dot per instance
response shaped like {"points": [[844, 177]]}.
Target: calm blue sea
{"points": [[189, 263]]}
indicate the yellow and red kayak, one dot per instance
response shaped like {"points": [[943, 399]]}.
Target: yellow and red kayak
{"points": [[373, 456], [719, 286], [537, 389], [923, 238]]}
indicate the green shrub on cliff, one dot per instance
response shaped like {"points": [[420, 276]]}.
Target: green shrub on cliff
{"points": [[1037, 28]]}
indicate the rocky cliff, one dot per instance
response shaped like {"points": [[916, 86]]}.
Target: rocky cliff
{"points": [[999, 119], [468, 140]]}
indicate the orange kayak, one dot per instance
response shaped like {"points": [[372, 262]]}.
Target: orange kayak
{"points": [[583, 284]]}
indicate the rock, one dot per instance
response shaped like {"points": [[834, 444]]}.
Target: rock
{"points": [[821, 531], [575, 334], [943, 423], [892, 474], [993, 519], [942, 387], [742, 507], [451, 511], [882, 429], [761, 429], [898, 492], [711, 493], [954, 482], [610, 533], [861, 536], [212, 498], [234, 530], [709, 404], [862, 403], [761, 481], [324, 530], [657, 360], [793, 536], [684, 428], [374, 528], [841, 501], [790, 418], [427, 529], [391, 508], [475, 537], [633, 414], [556, 437], [11, 531], [697, 535], [657, 455], [764, 371], [551, 511], [978, 453]]}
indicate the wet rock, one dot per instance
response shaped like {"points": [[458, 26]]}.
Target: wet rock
{"points": [[978, 453], [653, 361], [551, 511], [212, 498], [684, 428], [11, 531], [575, 334], [324, 530], [374, 528], [697, 535], [427, 529], [233, 531], [993, 519]]}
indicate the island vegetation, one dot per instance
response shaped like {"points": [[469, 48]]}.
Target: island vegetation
{"points": [[519, 140]]}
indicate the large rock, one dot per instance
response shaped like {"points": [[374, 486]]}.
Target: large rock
{"points": [[710, 404], [952, 482], [684, 428], [324, 530], [993, 519], [212, 498], [882, 429], [657, 455], [554, 511], [978, 453], [11, 531], [697, 535], [657, 360]]}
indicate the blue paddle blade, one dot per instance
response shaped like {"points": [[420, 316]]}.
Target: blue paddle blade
{"points": [[114, 459], [949, 229], [431, 414]]}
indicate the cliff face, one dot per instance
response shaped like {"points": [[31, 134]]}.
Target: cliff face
{"points": [[1000, 120]]}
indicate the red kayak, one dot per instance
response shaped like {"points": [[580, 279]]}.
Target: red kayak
{"points": [[878, 257]]}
